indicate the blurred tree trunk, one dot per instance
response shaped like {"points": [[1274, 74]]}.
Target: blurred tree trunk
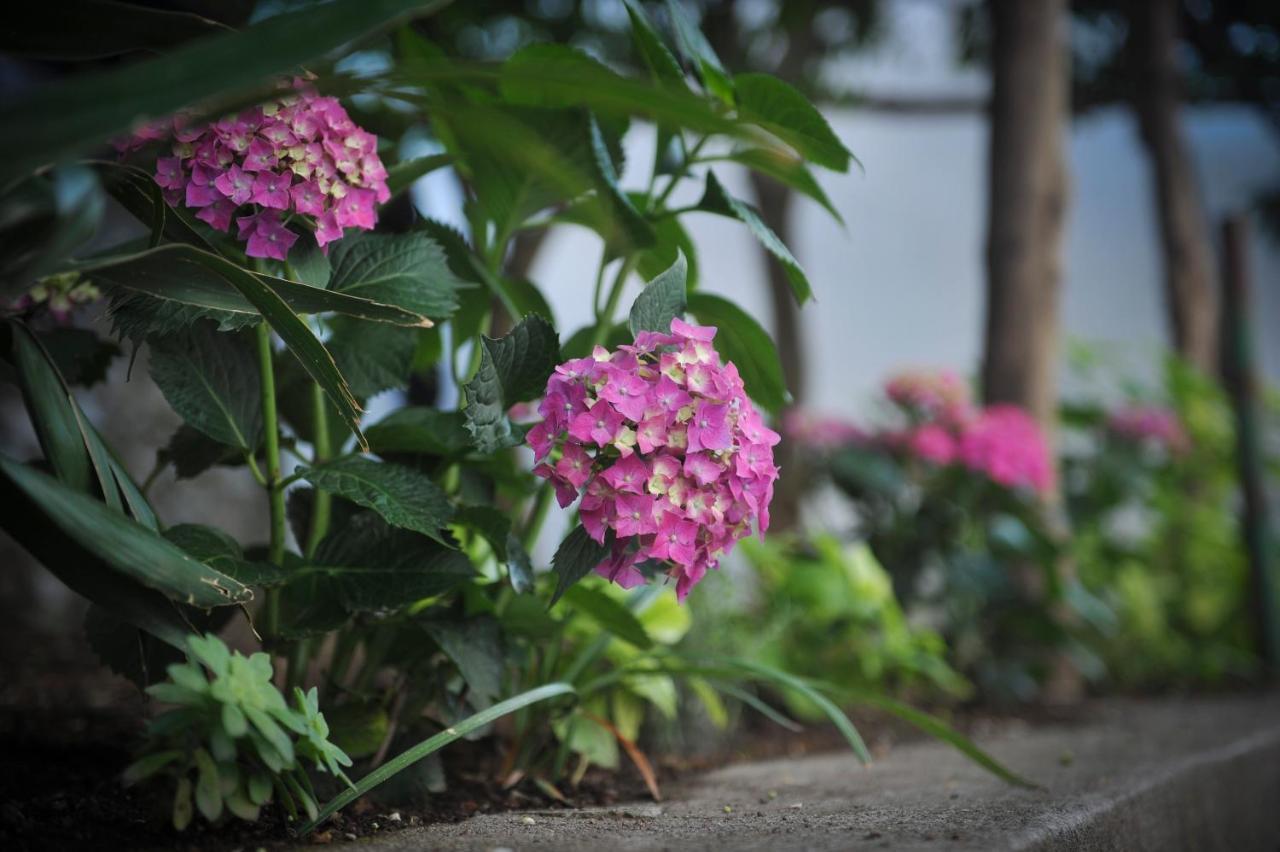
{"points": [[1030, 71], [774, 202], [1190, 287]]}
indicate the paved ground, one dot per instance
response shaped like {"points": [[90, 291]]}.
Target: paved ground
{"points": [[1199, 774]]}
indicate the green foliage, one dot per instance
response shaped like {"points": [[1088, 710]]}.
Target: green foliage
{"points": [[512, 369], [211, 380], [662, 300], [230, 742]]}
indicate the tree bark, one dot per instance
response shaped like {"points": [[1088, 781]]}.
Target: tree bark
{"points": [[774, 202], [1030, 70], [1028, 196], [1186, 242]]}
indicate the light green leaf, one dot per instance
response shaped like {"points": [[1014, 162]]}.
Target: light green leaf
{"points": [[716, 200], [780, 109], [787, 169], [211, 380], [649, 46], [661, 300], [696, 49], [403, 496], [402, 175], [609, 614], [741, 339]]}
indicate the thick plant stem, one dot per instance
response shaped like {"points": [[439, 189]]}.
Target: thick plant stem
{"points": [[322, 501], [275, 490]]}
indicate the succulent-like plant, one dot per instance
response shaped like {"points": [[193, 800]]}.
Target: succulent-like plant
{"points": [[231, 741]]}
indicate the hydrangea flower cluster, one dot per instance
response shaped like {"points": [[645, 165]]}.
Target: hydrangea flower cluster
{"points": [[665, 449], [298, 157], [1006, 444], [61, 294], [1150, 425], [819, 431], [930, 394]]}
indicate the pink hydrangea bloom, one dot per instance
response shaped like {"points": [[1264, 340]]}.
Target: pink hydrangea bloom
{"points": [[296, 159], [1150, 424], [931, 395], [933, 443], [1006, 444], [666, 451], [820, 432]]}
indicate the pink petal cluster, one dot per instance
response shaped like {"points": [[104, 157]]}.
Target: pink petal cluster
{"points": [[1006, 444], [1152, 425], [61, 294], [930, 394], [818, 431], [298, 157], [665, 449]]}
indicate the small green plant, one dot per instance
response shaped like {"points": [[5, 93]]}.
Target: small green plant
{"points": [[231, 743]]}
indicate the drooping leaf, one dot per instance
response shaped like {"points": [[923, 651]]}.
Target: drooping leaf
{"points": [[409, 271], [609, 614], [420, 430], [64, 118], [403, 496], [779, 108], [128, 547], [210, 379], [787, 169], [661, 300], [716, 200], [743, 341], [575, 558], [374, 566]]}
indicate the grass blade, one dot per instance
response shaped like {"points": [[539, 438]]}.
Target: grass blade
{"points": [[407, 758]]}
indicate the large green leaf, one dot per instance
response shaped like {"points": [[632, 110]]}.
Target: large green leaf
{"points": [[79, 354], [651, 49], [211, 379], [203, 282], [512, 369], [716, 200], [374, 566], [402, 175], [787, 169], [221, 552], [779, 108], [61, 119], [454, 732], [475, 647], [372, 357], [403, 496], [420, 430], [661, 300], [743, 341], [52, 410], [128, 547], [575, 558], [609, 614], [408, 271]]}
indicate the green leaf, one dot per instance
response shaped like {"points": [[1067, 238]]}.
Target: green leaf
{"points": [[475, 648], [205, 284], [519, 566], [696, 49], [403, 496], [788, 170], [656, 55], [587, 737], [208, 786], [661, 300], [672, 242], [609, 614], [44, 219], [221, 552], [422, 431], [358, 728], [455, 732], [716, 200], [743, 341], [374, 566], [372, 357], [575, 558], [191, 452], [780, 109], [639, 233], [309, 264], [402, 175], [94, 29], [512, 369], [78, 112], [409, 271], [79, 354], [210, 379], [125, 545], [52, 410], [126, 649]]}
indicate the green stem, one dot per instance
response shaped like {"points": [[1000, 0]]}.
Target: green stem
{"points": [[689, 159], [605, 319], [275, 493], [538, 514], [322, 501]]}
